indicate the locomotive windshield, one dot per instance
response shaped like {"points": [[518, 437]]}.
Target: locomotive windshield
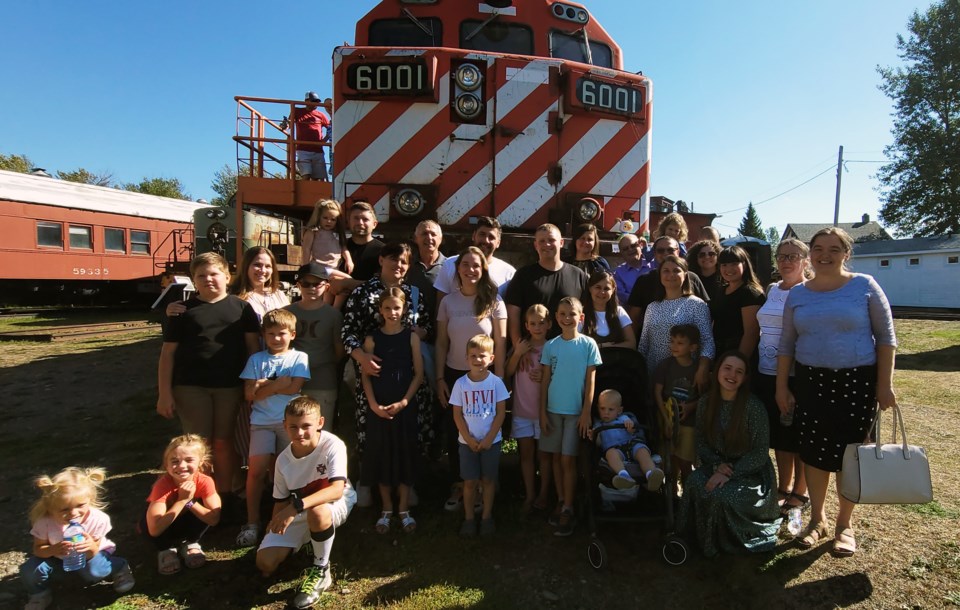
{"points": [[496, 37], [571, 46], [421, 32]]}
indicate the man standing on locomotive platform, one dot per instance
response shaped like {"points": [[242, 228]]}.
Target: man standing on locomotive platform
{"points": [[486, 237], [646, 285], [545, 282], [310, 126]]}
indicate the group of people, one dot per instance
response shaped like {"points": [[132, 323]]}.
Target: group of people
{"points": [[440, 346]]}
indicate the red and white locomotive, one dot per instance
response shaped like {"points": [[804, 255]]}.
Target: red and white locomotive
{"points": [[60, 240], [452, 109], [518, 110]]}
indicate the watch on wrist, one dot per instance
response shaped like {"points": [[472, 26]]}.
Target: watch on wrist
{"points": [[298, 504], [188, 505]]}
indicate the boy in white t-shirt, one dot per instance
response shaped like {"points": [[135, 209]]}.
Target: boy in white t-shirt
{"points": [[479, 407], [313, 497]]}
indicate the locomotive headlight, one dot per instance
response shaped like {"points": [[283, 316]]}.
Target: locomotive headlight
{"points": [[215, 213], [468, 77], [588, 210], [468, 106], [409, 202]]}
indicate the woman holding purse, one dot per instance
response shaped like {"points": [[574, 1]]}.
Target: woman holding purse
{"points": [[838, 330]]}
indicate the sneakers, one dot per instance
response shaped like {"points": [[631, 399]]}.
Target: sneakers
{"points": [[565, 523], [123, 581], [364, 497], [455, 501], [654, 479], [316, 580], [39, 601], [248, 535], [624, 481], [554, 518]]}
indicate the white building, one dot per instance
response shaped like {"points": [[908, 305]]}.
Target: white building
{"points": [[918, 272]]}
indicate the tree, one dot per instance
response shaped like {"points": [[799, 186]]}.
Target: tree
{"points": [[84, 177], [773, 237], [16, 163], [161, 187], [920, 186], [750, 225], [225, 184]]}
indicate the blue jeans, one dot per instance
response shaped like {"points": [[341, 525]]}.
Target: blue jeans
{"points": [[36, 572]]}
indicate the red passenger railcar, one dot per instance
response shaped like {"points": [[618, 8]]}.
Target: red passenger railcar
{"points": [[67, 239]]}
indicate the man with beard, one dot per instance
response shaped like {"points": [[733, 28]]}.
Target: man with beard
{"points": [[486, 237], [644, 290]]}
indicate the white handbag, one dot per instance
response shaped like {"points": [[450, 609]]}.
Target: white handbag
{"points": [[896, 473]]}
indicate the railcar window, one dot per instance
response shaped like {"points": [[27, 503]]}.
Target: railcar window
{"points": [[953, 260], [140, 242], [115, 240], [496, 37], [50, 234], [570, 46], [80, 238], [406, 32]]}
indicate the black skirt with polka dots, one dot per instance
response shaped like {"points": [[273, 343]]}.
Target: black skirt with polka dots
{"points": [[835, 407]]}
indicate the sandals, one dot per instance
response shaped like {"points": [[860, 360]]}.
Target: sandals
{"points": [[844, 542], [383, 523], [803, 503], [192, 555], [812, 534], [168, 562], [407, 523], [782, 497]]}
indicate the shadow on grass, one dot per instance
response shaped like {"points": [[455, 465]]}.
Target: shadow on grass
{"points": [[946, 360]]}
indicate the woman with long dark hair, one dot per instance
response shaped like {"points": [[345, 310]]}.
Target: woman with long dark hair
{"points": [[603, 318], [729, 500], [734, 313], [586, 250]]}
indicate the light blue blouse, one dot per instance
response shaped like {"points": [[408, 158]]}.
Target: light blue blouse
{"points": [[837, 329]]}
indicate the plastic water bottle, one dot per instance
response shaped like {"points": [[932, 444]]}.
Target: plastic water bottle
{"points": [[794, 521], [74, 560]]}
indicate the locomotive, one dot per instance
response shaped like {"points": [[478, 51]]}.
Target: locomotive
{"points": [[449, 110]]}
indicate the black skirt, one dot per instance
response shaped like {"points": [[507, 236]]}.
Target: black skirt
{"points": [[782, 438], [835, 407]]}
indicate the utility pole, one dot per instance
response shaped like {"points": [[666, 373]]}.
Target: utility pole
{"points": [[836, 204]]}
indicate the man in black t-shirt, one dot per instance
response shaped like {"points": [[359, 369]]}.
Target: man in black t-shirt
{"points": [[646, 286], [546, 282], [363, 247]]}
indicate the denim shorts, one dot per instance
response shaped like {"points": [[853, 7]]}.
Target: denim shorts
{"points": [[480, 465]]}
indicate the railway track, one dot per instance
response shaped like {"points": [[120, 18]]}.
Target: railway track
{"points": [[920, 313], [79, 331]]}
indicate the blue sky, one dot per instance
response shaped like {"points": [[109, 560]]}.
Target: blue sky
{"points": [[750, 98]]}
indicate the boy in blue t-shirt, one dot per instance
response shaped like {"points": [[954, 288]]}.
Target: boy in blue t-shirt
{"points": [[272, 378], [566, 395]]}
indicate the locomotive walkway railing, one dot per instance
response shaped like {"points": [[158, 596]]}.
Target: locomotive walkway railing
{"points": [[265, 138]]}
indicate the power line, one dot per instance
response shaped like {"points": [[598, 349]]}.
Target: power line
{"points": [[829, 169]]}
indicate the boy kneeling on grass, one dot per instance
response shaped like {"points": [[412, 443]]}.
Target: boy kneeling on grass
{"points": [[313, 495]]}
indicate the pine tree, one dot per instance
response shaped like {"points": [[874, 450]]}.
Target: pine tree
{"points": [[750, 226]]}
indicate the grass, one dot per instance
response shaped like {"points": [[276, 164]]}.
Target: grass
{"points": [[92, 402]]}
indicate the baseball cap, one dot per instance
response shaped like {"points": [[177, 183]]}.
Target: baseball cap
{"points": [[311, 96], [313, 268]]}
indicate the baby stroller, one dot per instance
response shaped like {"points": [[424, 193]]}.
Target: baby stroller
{"points": [[625, 370]]}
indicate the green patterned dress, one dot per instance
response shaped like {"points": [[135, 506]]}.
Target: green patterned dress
{"points": [[743, 514]]}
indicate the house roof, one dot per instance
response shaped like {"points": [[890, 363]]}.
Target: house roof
{"points": [[859, 231], [900, 246]]}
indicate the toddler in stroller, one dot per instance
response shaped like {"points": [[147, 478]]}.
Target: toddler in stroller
{"points": [[621, 439]]}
